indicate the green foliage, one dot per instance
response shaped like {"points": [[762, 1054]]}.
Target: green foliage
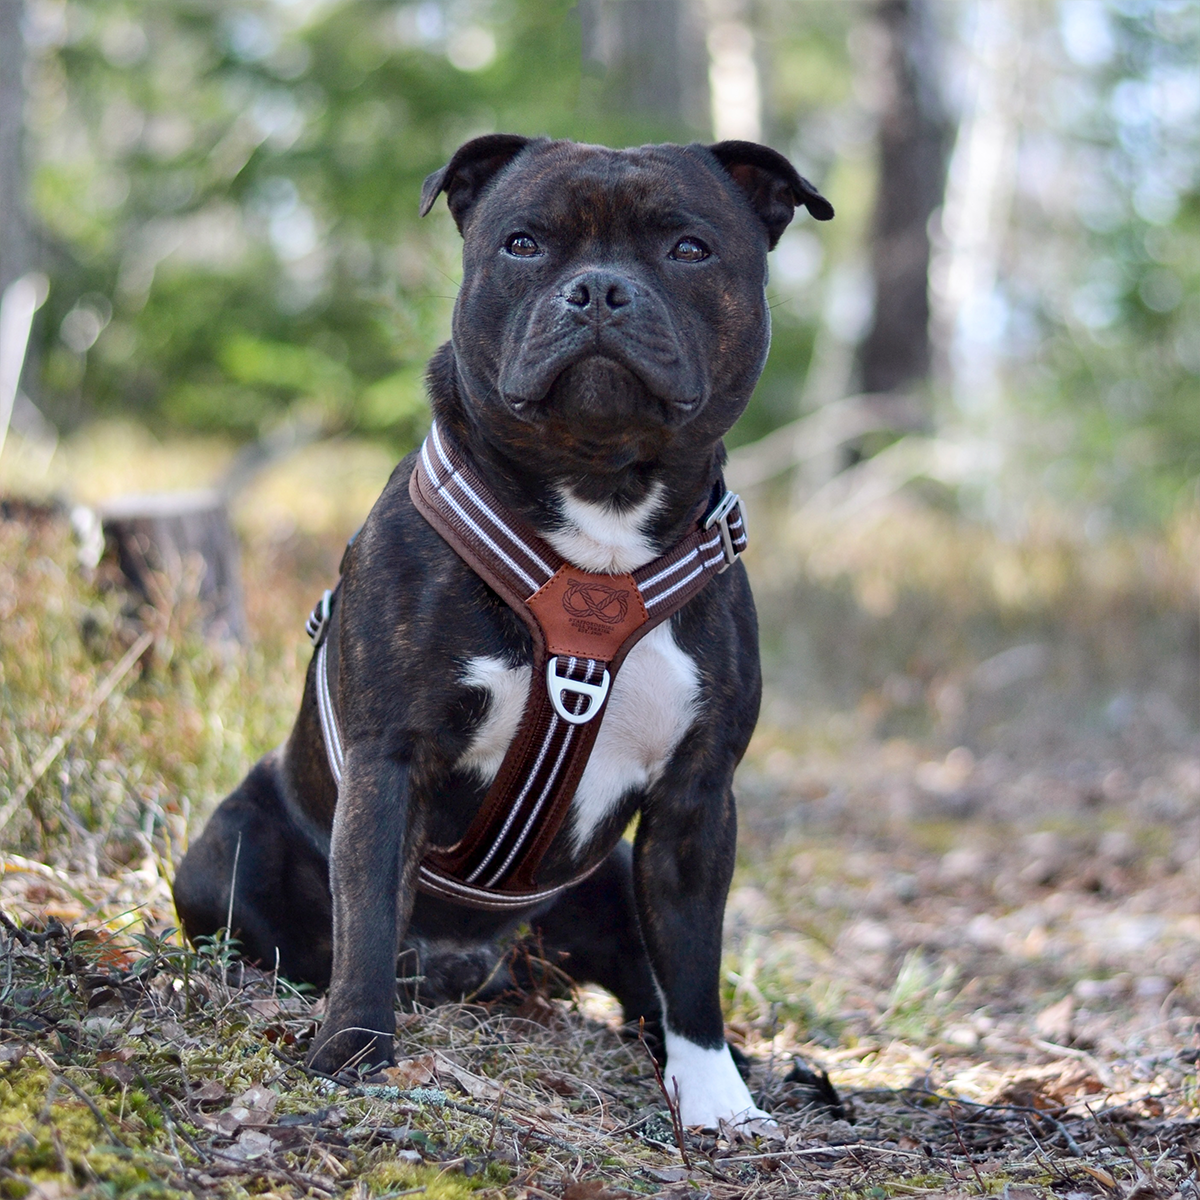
{"points": [[230, 194], [1105, 346]]}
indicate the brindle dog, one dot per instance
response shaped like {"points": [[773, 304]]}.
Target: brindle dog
{"points": [[610, 328]]}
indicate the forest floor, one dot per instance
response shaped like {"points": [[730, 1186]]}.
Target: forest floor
{"points": [[956, 971]]}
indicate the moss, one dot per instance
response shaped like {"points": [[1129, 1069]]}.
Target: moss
{"points": [[38, 1139], [397, 1176]]}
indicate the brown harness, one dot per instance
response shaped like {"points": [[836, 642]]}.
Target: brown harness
{"points": [[583, 626]]}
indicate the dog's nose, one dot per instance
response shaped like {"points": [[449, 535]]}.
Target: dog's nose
{"points": [[603, 291]]}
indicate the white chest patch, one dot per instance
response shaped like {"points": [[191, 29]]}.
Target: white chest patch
{"points": [[608, 541], [651, 706]]}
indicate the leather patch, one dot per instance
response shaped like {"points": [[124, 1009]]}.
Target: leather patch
{"points": [[587, 615]]}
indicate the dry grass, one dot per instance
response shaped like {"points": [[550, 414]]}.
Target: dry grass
{"points": [[988, 939]]}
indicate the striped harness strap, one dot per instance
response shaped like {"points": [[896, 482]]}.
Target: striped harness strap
{"points": [[583, 626]]}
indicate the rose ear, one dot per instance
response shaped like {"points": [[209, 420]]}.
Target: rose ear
{"points": [[465, 176], [771, 184]]}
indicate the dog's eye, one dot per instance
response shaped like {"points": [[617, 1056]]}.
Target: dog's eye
{"points": [[521, 245], [690, 250]]}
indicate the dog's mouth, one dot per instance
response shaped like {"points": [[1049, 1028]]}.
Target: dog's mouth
{"points": [[599, 387]]}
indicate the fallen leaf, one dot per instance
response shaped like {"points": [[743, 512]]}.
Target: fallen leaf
{"points": [[11, 1053], [668, 1174], [1099, 1173], [232, 1119], [251, 1144], [592, 1189], [475, 1086], [258, 1096], [1054, 1023], [412, 1072], [559, 1084], [265, 1008], [210, 1092], [118, 1072]]}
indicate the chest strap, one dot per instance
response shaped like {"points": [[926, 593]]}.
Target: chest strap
{"points": [[583, 626]]}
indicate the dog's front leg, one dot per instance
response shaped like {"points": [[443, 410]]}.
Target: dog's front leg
{"points": [[683, 864], [372, 901]]}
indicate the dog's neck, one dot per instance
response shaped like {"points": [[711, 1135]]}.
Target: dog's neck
{"points": [[607, 519]]}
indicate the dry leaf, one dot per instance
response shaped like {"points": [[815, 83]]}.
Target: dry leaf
{"points": [[210, 1092], [475, 1086], [668, 1174], [251, 1144], [1054, 1023], [1099, 1173], [119, 1072], [592, 1189], [258, 1096], [412, 1072]]}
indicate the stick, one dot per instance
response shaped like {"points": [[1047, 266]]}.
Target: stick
{"points": [[672, 1105], [74, 725]]}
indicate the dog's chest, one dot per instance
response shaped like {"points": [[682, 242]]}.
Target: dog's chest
{"points": [[654, 696]]}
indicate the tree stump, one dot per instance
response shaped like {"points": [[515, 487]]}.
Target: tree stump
{"points": [[173, 547]]}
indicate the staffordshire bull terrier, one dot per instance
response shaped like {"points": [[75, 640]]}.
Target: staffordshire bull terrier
{"points": [[609, 330]]}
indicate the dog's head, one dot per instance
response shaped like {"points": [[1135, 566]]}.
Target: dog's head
{"points": [[613, 298]]}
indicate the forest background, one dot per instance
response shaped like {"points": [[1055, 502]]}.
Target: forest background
{"points": [[971, 815]]}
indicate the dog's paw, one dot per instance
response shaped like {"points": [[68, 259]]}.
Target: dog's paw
{"points": [[710, 1089], [354, 1049]]}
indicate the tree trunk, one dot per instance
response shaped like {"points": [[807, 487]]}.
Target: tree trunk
{"points": [[15, 252], [913, 139], [654, 60], [177, 547]]}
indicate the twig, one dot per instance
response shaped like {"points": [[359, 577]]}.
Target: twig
{"points": [[495, 1122], [672, 1105], [73, 726], [963, 1147], [54, 932]]}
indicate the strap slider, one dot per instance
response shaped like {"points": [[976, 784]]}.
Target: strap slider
{"points": [[558, 685], [318, 619], [720, 517]]}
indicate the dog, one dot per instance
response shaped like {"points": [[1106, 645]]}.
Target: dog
{"points": [[610, 328]]}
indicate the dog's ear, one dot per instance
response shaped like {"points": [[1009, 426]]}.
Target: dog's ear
{"points": [[468, 172], [771, 185]]}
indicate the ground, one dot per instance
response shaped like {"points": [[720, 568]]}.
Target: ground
{"points": [[962, 952]]}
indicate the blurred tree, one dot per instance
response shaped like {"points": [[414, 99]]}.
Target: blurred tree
{"points": [[653, 60], [15, 256], [230, 195], [913, 138]]}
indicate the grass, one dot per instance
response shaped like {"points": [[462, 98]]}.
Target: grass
{"points": [[907, 907]]}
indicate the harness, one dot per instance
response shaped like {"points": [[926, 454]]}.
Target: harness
{"points": [[583, 626]]}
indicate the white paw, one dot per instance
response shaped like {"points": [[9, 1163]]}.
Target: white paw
{"points": [[710, 1088]]}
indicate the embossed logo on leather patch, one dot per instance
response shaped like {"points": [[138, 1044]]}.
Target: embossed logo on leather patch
{"points": [[587, 615], [587, 598]]}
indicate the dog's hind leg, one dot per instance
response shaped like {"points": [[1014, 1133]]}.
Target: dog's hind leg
{"points": [[592, 933], [256, 872]]}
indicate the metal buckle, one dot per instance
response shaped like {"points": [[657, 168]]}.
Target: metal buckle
{"points": [[720, 516], [557, 684], [318, 618]]}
